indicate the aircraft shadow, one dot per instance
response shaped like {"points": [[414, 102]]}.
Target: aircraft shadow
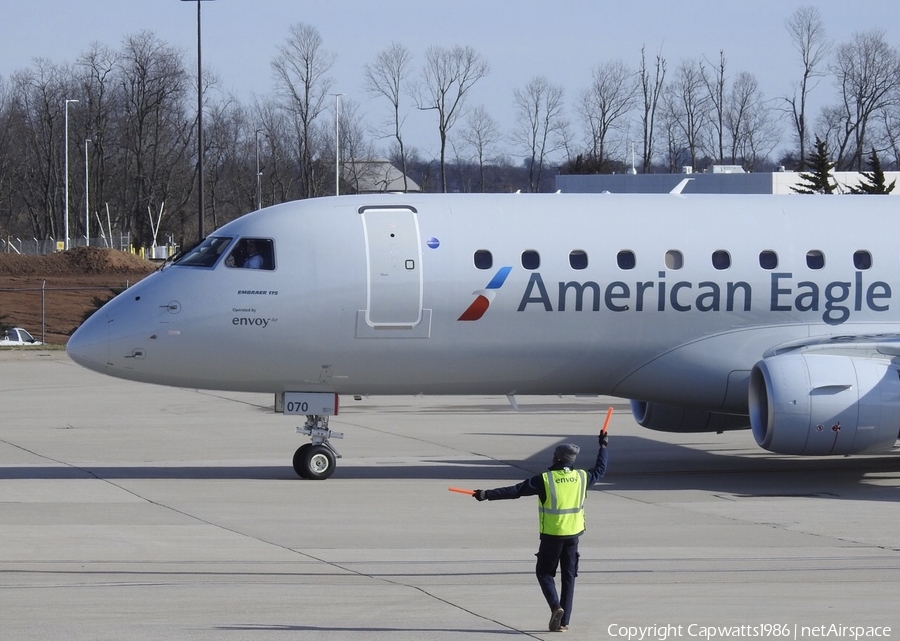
{"points": [[528, 407], [635, 464], [358, 630]]}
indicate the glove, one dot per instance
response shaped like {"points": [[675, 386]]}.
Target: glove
{"points": [[604, 439], [479, 495]]}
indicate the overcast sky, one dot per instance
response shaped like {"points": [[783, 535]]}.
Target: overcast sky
{"points": [[520, 39]]}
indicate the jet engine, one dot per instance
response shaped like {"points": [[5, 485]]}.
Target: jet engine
{"points": [[671, 418], [818, 404]]}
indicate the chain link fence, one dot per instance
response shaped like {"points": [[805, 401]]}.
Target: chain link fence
{"points": [[49, 317], [37, 247]]}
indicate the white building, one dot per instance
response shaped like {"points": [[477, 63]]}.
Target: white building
{"points": [[375, 176], [725, 180]]}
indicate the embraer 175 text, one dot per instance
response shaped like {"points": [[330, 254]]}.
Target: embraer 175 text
{"points": [[778, 313]]}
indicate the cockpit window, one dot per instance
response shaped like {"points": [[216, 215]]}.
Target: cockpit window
{"points": [[252, 253], [206, 253]]}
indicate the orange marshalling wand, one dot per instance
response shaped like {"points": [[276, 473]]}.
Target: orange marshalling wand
{"points": [[609, 413], [606, 422]]}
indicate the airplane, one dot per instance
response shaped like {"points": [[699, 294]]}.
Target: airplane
{"points": [[708, 312]]}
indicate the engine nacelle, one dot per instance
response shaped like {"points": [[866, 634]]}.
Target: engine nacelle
{"points": [[670, 418], [819, 404]]}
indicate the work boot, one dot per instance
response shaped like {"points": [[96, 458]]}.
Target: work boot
{"points": [[556, 619]]}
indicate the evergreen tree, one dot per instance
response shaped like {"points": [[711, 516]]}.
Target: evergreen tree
{"points": [[873, 181], [818, 180]]}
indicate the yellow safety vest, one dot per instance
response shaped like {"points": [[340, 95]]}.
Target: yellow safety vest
{"points": [[562, 511]]}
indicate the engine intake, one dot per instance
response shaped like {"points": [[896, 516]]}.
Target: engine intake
{"points": [[819, 404]]}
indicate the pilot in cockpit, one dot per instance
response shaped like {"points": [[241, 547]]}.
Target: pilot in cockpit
{"points": [[251, 253], [254, 259]]}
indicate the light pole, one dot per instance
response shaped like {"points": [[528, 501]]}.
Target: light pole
{"points": [[200, 231], [66, 223], [87, 200], [258, 174], [337, 143]]}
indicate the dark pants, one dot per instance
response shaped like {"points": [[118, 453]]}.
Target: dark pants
{"points": [[558, 552]]}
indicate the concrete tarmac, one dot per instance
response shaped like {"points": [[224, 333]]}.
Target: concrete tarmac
{"points": [[132, 511]]}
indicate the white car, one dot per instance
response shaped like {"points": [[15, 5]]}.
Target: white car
{"points": [[18, 336]]}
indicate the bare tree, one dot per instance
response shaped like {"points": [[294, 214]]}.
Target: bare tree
{"points": [[807, 32], [762, 137], [277, 161], [7, 154], [356, 150], [750, 129], [890, 124], [675, 155], [300, 72], [385, 77], [608, 101], [100, 103], [715, 89], [37, 102], [231, 154], [538, 123], [481, 134], [867, 74], [448, 76], [830, 123], [154, 131], [688, 107], [651, 90], [742, 100]]}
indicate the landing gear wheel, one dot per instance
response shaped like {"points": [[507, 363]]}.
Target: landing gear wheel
{"points": [[318, 462], [299, 458]]}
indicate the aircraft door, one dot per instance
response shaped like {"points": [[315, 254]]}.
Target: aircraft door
{"points": [[394, 263]]}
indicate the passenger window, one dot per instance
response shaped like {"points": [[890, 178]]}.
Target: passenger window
{"points": [[484, 259], [768, 259], [204, 254], [674, 259], [531, 259], [578, 259], [721, 259], [862, 260], [625, 259], [815, 259], [252, 253]]}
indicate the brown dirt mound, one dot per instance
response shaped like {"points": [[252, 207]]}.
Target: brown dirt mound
{"points": [[81, 260], [50, 295]]}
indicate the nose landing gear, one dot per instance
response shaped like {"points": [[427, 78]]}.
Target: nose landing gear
{"points": [[316, 460]]}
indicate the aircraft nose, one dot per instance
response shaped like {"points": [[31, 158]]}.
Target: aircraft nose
{"points": [[89, 345]]}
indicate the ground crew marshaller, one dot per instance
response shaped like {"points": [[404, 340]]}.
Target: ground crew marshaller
{"points": [[561, 491]]}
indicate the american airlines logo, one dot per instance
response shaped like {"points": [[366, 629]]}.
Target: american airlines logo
{"points": [[483, 297], [835, 301]]}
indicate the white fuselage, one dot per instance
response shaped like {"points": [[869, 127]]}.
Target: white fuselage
{"points": [[604, 294]]}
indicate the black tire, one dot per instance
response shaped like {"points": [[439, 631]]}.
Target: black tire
{"points": [[318, 463], [299, 460]]}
